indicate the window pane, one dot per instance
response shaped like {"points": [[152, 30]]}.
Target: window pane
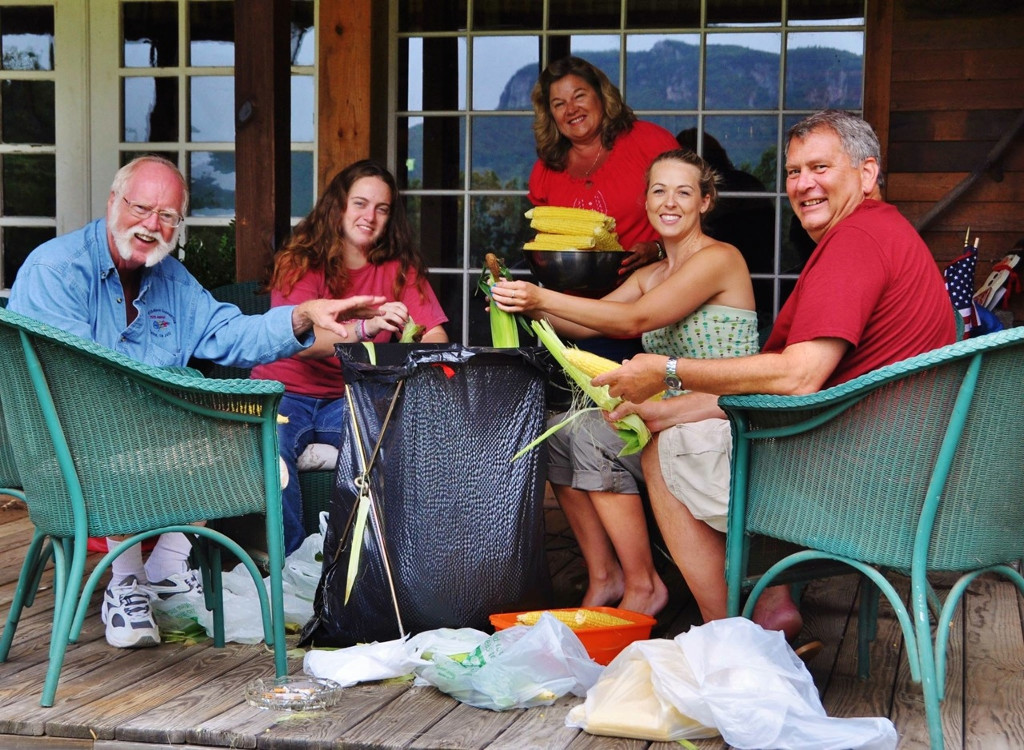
{"points": [[18, 242], [498, 225], [435, 152], [523, 14], [583, 14], [450, 290], [648, 57], [150, 34], [26, 38], [834, 12], [432, 15], [437, 221], [209, 254], [825, 69], [732, 13], [742, 71], [29, 184], [601, 51], [212, 108], [504, 71], [655, 14], [747, 143], [674, 124], [212, 183], [503, 152], [211, 33], [303, 32], [444, 88], [150, 109], [28, 111], [796, 244], [302, 182], [303, 97]]}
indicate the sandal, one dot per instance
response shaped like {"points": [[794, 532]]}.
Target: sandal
{"points": [[808, 650]]}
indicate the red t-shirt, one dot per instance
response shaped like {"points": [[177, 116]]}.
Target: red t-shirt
{"points": [[618, 188], [873, 282], [321, 378]]}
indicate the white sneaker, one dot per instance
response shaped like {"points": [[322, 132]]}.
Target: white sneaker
{"points": [[176, 583], [128, 617]]}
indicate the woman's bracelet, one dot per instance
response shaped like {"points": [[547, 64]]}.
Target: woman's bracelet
{"points": [[361, 328]]}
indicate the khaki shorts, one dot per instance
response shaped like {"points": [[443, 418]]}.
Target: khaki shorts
{"points": [[695, 461]]}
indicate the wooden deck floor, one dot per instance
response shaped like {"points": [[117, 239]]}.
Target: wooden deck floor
{"points": [[189, 697]]}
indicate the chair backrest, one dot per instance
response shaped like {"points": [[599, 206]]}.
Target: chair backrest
{"points": [[857, 483], [136, 446], [9, 478], [247, 297]]}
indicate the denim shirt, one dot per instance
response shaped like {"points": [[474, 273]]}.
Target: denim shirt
{"points": [[70, 282]]}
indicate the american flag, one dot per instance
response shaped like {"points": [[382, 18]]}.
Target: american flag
{"points": [[959, 276]]}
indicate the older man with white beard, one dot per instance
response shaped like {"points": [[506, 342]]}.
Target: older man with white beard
{"points": [[112, 282]]}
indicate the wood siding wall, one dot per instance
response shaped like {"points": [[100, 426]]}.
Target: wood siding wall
{"points": [[957, 89]]}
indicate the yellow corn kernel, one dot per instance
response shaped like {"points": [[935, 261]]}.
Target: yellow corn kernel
{"points": [[588, 363], [561, 242], [575, 619], [605, 240], [594, 218]]}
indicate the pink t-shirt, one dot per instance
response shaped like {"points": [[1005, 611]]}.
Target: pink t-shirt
{"points": [[321, 378], [617, 187], [873, 282]]}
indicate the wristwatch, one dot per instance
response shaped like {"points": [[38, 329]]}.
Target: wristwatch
{"points": [[671, 379]]}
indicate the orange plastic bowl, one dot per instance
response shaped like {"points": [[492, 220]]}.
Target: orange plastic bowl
{"points": [[603, 643]]}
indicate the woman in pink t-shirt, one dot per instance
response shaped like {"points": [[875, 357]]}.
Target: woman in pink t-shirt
{"points": [[356, 239]]}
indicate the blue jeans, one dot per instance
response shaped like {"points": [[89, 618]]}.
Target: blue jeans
{"points": [[310, 420]]}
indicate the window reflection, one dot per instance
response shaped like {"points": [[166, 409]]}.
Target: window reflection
{"points": [[150, 34], [588, 14], [26, 38], [834, 12], [29, 185], [303, 32], [653, 14], [504, 71], [211, 108], [437, 221], [732, 13], [824, 69], [742, 71], [211, 33], [432, 15], [600, 50], [503, 153], [662, 71], [18, 242], [150, 109], [303, 96], [212, 183], [434, 152], [302, 182], [498, 225], [28, 112], [446, 61]]}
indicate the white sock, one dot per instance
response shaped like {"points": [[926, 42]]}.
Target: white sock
{"points": [[169, 556], [128, 563]]}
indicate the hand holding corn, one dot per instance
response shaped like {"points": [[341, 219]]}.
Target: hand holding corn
{"points": [[517, 296], [637, 379]]}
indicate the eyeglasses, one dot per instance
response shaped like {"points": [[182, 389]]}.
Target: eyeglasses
{"points": [[142, 211]]}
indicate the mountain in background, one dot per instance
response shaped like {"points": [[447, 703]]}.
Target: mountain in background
{"points": [[738, 78]]}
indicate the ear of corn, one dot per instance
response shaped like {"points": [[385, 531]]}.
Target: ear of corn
{"points": [[631, 428], [589, 363], [562, 228], [579, 619], [504, 328]]}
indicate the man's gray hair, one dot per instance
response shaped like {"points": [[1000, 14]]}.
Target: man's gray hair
{"points": [[856, 136], [125, 173]]}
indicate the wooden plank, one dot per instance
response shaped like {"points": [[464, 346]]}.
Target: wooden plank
{"points": [[984, 94], [951, 63], [401, 721], [262, 133], [957, 123], [878, 70], [966, 30], [995, 666], [540, 727], [981, 218], [49, 743], [961, 156], [932, 186], [467, 728]]}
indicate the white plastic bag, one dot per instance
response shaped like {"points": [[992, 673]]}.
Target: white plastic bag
{"points": [[518, 667], [731, 676]]}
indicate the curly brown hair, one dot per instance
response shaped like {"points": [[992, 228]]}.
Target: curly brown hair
{"points": [[552, 146], [316, 242]]}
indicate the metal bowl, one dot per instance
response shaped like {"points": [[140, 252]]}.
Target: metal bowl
{"points": [[591, 273]]}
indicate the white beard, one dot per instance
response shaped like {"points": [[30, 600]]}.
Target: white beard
{"points": [[162, 248]]}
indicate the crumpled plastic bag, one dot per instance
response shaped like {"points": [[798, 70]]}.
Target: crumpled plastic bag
{"points": [[242, 620], [519, 667], [729, 676], [384, 660]]}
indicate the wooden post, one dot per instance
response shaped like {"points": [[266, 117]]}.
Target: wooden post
{"points": [[262, 133]]}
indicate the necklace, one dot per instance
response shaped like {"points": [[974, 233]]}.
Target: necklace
{"points": [[587, 183]]}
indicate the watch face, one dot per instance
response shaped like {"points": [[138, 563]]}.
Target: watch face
{"points": [[673, 382]]}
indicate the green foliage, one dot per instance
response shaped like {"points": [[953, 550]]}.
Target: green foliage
{"points": [[209, 254]]}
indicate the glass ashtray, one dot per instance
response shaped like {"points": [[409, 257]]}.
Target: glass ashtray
{"points": [[298, 693]]}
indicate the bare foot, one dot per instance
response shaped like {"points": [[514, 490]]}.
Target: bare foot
{"points": [[775, 610], [649, 601], [604, 592]]}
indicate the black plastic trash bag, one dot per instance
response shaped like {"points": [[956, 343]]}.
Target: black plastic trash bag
{"points": [[461, 532]]}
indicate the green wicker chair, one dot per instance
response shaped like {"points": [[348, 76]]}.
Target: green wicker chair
{"points": [[910, 468], [107, 446]]}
